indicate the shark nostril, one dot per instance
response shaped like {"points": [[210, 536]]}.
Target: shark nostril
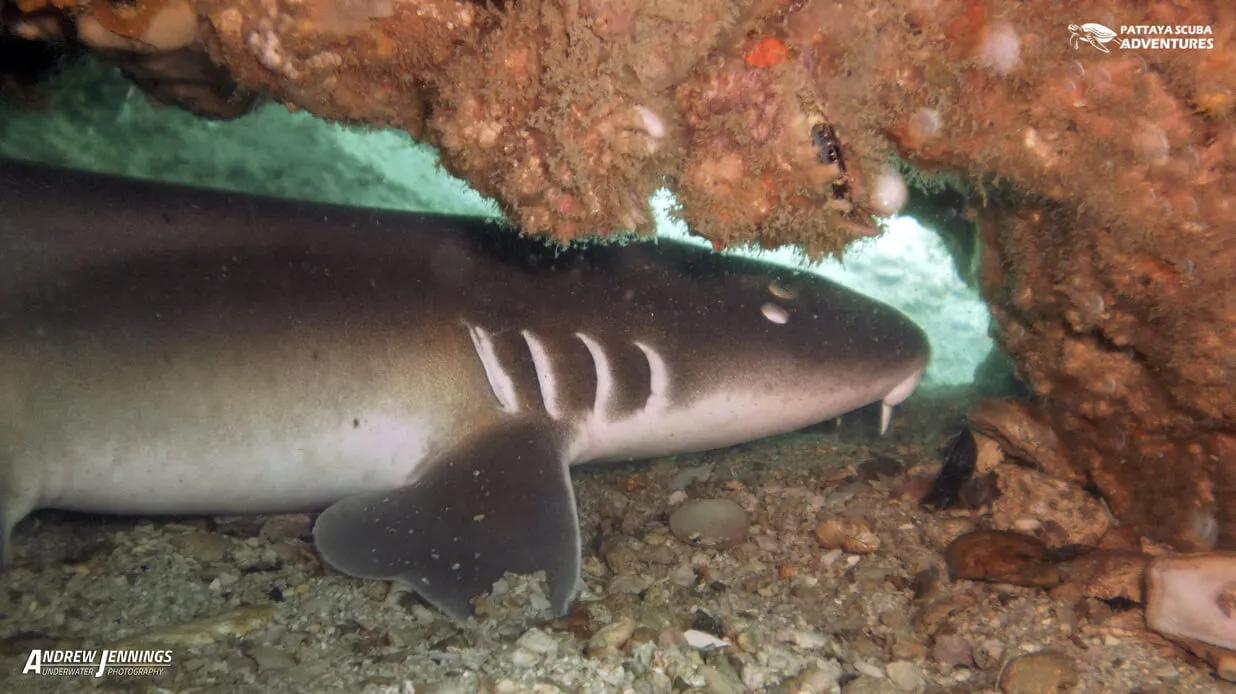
{"points": [[781, 291], [775, 313]]}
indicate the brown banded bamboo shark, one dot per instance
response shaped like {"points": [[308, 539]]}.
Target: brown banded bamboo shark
{"points": [[427, 380]]}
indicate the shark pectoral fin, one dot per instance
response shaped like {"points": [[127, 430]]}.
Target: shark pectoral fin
{"points": [[500, 502]]}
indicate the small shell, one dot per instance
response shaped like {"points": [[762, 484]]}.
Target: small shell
{"points": [[847, 534]]}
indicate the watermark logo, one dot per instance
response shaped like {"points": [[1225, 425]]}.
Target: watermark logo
{"points": [[1154, 37], [96, 663], [1096, 35]]}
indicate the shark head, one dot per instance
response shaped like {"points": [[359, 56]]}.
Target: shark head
{"points": [[736, 348]]}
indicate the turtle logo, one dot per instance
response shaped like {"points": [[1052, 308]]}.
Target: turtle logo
{"points": [[1096, 35]]}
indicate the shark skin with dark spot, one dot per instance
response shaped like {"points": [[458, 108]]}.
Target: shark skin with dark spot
{"points": [[427, 380]]}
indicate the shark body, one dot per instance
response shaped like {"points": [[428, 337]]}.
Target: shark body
{"points": [[426, 380]]}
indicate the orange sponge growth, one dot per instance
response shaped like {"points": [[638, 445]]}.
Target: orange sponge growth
{"points": [[768, 52]]}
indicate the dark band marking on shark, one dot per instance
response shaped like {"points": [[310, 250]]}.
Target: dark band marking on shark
{"points": [[427, 380], [619, 398]]}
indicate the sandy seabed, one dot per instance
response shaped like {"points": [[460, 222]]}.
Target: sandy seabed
{"points": [[246, 606]]}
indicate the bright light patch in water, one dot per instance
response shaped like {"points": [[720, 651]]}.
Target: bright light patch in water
{"points": [[908, 267]]}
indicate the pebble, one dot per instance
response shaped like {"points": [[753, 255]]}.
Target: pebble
{"points": [[906, 675], [806, 640], [915, 487], [1094, 611], [952, 650], [271, 658], [819, 679], [682, 575], [522, 657], [716, 523], [879, 466], [934, 613], [864, 684], [1047, 672], [537, 641], [655, 539], [719, 681], [627, 584], [515, 599], [989, 653], [754, 677], [868, 668], [643, 635], [621, 554], [907, 646], [864, 647], [1104, 574], [942, 533], [205, 547], [690, 476], [295, 526], [1073, 516], [660, 554], [1002, 557], [611, 637]]}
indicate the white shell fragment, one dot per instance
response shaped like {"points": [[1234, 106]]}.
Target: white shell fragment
{"points": [[703, 641]]}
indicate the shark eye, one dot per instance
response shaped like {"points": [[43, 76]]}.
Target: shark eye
{"points": [[775, 313]]}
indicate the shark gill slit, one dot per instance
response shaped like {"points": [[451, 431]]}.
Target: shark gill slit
{"points": [[545, 378], [499, 380], [658, 381], [605, 375]]}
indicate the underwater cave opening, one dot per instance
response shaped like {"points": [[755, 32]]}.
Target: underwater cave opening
{"points": [[92, 118]]}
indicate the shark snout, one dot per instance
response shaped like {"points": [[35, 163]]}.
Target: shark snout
{"points": [[825, 349]]}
